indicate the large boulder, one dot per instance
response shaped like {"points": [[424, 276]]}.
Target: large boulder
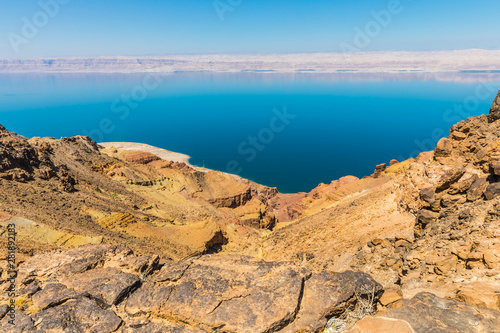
{"points": [[327, 295], [108, 286], [79, 315], [103, 288], [233, 293], [443, 148], [427, 313]]}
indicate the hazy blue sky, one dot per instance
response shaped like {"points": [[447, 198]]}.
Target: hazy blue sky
{"points": [[162, 27]]}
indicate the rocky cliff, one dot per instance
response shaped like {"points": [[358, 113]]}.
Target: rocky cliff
{"points": [[122, 241]]}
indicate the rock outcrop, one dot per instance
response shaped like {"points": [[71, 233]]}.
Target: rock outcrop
{"points": [[100, 288]]}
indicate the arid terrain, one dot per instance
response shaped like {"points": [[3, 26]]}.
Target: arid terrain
{"points": [[122, 240]]}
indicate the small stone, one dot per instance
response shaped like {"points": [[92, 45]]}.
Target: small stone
{"points": [[426, 216], [401, 243], [390, 262], [492, 259], [452, 200], [446, 265], [391, 295], [492, 191], [459, 136], [449, 178], [477, 189], [428, 195], [495, 167]]}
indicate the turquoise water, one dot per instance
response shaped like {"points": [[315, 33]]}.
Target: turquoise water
{"points": [[292, 131]]}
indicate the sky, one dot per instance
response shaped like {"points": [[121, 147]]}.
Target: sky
{"points": [[50, 28]]}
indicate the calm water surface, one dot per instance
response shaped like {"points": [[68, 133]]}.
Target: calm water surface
{"points": [[292, 131]]}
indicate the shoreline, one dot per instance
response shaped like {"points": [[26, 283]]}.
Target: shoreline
{"points": [[452, 61], [160, 152], [164, 154]]}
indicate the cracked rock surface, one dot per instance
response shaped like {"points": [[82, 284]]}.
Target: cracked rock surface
{"points": [[211, 293]]}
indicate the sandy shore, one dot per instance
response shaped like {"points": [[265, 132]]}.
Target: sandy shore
{"points": [[161, 153]]}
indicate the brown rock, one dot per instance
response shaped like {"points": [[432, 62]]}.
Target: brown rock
{"points": [[22, 323], [426, 312], [393, 162], [162, 328], [52, 295], [381, 325], [495, 109], [426, 216], [461, 252], [428, 195], [31, 289], [402, 243], [52, 264], [107, 285], [391, 295], [480, 294], [425, 156], [82, 315], [449, 178], [477, 189], [452, 200], [231, 291], [328, 294], [379, 169], [492, 258], [57, 265], [446, 265], [459, 136], [140, 157], [492, 191], [443, 148], [495, 167], [463, 186]]}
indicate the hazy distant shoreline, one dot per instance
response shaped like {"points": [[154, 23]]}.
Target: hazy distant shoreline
{"points": [[463, 61]]}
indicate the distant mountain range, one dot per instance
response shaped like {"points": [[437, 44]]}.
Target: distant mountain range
{"points": [[474, 60]]}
